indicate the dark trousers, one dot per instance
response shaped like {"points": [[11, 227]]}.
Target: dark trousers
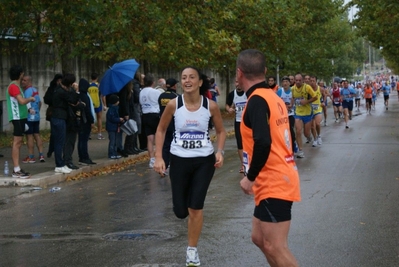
{"points": [[69, 146], [58, 131], [83, 139], [166, 147], [128, 146], [113, 143], [291, 120], [143, 140], [51, 142]]}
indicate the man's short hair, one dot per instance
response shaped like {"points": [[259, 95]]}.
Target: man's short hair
{"points": [[285, 78], [149, 79], [68, 79], [94, 75], [15, 72], [252, 63]]}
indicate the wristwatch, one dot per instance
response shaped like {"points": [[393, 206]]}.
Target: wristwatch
{"points": [[221, 151]]}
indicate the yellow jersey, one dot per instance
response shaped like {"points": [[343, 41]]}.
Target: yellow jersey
{"points": [[303, 92]]}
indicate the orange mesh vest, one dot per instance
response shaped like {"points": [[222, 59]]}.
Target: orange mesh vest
{"points": [[279, 177]]}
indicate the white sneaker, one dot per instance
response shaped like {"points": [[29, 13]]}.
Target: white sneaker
{"points": [[152, 162], [325, 123], [64, 169], [192, 258], [300, 154], [308, 140], [319, 142], [314, 143]]}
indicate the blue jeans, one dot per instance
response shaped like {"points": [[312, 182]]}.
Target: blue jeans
{"points": [[112, 145], [83, 139], [58, 132]]}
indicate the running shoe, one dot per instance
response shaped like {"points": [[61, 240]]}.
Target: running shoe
{"points": [[151, 164], [100, 137], [325, 123], [319, 142], [300, 154], [314, 143], [21, 174], [336, 120], [347, 127], [308, 140], [192, 258], [42, 159], [28, 160], [64, 170]]}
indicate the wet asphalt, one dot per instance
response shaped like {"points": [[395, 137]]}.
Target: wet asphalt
{"points": [[348, 215]]}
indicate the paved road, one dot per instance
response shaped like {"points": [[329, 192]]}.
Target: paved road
{"points": [[348, 215]]}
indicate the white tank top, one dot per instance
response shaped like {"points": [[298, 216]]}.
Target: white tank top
{"points": [[239, 103], [287, 99], [191, 137]]}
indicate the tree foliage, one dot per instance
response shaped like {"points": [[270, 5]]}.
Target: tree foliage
{"points": [[299, 35], [376, 21]]}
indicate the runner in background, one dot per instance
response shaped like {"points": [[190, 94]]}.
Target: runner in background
{"points": [[337, 102], [235, 103], [285, 94], [359, 94]]}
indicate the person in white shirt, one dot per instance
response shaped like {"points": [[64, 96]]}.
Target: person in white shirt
{"points": [[150, 109]]}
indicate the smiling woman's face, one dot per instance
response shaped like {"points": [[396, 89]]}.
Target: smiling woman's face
{"points": [[190, 80]]}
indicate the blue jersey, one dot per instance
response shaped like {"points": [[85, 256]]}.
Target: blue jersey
{"points": [[32, 91], [386, 89], [348, 93]]}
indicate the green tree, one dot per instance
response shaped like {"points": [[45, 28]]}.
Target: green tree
{"points": [[375, 20]]}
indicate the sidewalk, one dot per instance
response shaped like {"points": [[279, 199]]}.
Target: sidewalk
{"points": [[43, 175]]}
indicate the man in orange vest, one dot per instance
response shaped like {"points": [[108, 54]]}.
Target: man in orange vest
{"points": [[270, 172]]}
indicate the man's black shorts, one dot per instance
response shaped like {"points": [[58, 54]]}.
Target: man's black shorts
{"points": [[19, 127], [273, 210]]}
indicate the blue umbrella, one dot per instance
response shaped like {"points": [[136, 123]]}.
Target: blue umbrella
{"points": [[118, 76]]}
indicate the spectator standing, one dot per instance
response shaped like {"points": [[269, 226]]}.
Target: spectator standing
{"points": [[96, 97], [17, 109], [112, 125], [76, 117], [161, 86], [136, 112], [62, 98], [33, 133], [163, 100], [124, 105], [48, 99], [85, 128], [130, 146], [150, 108]]}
